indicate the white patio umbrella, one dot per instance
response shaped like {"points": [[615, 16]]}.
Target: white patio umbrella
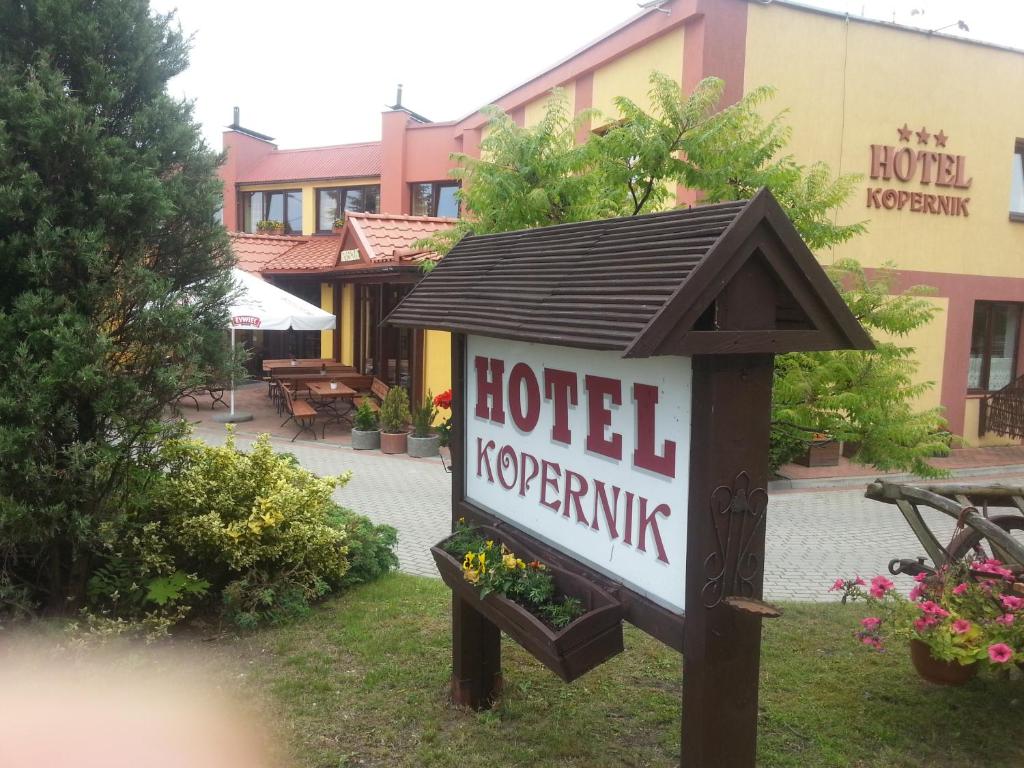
{"points": [[261, 306]]}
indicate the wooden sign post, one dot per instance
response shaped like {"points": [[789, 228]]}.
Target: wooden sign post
{"points": [[611, 387]]}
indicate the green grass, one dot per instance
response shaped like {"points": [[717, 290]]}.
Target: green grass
{"points": [[363, 681]]}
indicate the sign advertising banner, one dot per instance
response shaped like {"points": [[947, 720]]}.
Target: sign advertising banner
{"points": [[586, 451]]}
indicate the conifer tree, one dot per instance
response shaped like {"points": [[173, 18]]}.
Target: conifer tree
{"points": [[114, 274]]}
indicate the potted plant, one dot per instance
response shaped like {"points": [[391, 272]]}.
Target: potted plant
{"points": [[365, 429], [958, 619], [423, 442], [394, 416], [822, 451], [570, 624], [444, 429], [268, 227], [339, 224]]}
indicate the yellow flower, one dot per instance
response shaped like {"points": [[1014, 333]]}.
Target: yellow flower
{"points": [[520, 563], [467, 561], [254, 526], [509, 561], [490, 544], [471, 575]]}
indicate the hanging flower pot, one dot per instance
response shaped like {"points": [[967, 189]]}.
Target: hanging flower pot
{"points": [[569, 651], [937, 671]]}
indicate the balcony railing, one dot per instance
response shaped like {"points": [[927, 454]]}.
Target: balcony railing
{"points": [[1002, 411]]}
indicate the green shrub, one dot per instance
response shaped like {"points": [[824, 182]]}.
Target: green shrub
{"points": [[371, 548], [251, 534], [423, 417], [394, 411], [256, 522], [786, 444], [366, 417]]}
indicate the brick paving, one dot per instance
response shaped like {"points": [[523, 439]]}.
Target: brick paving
{"points": [[812, 536]]}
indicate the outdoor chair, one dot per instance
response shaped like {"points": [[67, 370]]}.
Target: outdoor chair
{"points": [[378, 391], [301, 411]]}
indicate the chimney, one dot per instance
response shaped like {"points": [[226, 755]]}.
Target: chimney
{"points": [[235, 123], [398, 98]]}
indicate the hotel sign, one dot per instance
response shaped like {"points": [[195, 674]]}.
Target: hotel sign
{"points": [[586, 451], [939, 174]]}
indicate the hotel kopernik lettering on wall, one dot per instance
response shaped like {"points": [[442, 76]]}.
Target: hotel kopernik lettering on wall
{"points": [[940, 173], [587, 451]]}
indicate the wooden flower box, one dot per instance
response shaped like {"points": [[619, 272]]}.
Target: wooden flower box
{"points": [[820, 453], [569, 652]]}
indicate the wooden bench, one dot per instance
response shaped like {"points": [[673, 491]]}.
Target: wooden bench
{"points": [[378, 391], [301, 411]]}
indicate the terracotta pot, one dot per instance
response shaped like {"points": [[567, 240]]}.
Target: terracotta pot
{"points": [[394, 442], [937, 671]]}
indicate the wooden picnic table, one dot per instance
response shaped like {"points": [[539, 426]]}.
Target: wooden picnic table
{"points": [[328, 399], [307, 362]]}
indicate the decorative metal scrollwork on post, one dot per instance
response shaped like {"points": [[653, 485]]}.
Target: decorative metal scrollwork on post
{"points": [[738, 516]]}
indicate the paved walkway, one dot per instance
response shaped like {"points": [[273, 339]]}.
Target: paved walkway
{"points": [[812, 538]]}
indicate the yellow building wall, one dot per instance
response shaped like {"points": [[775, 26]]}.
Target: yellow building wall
{"points": [[437, 364], [327, 337], [629, 75], [309, 195], [348, 324], [534, 111], [848, 85], [929, 343]]}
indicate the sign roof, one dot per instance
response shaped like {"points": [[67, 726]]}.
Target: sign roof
{"points": [[640, 285]]}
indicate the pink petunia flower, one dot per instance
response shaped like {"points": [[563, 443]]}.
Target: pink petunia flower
{"points": [[1000, 653], [916, 592], [922, 624], [961, 626], [870, 623], [1006, 619], [837, 585], [959, 589], [879, 586], [921, 577], [1012, 603], [994, 567], [858, 581], [933, 608]]}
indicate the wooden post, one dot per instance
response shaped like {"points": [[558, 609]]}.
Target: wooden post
{"points": [[476, 657], [731, 430], [476, 642], [725, 556]]}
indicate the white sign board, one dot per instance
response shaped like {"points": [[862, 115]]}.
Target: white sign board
{"points": [[586, 451]]}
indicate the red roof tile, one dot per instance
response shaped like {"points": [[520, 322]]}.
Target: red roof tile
{"points": [[254, 252], [339, 162], [388, 237], [315, 253]]}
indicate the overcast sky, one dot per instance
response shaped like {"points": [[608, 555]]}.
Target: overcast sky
{"points": [[316, 72]]}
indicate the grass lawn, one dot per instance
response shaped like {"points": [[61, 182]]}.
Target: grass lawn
{"points": [[363, 682]]}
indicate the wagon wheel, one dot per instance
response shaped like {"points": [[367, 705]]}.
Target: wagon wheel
{"points": [[970, 541]]}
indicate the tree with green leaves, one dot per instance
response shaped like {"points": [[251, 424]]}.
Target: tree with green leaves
{"points": [[115, 276], [538, 175]]}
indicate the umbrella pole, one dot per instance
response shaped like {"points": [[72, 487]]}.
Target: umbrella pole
{"points": [[232, 417], [232, 370]]}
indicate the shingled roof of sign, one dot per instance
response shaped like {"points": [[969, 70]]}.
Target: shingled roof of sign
{"points": [[617, 284]]}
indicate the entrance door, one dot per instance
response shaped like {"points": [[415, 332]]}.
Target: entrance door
{"points": [[385, 351]]}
